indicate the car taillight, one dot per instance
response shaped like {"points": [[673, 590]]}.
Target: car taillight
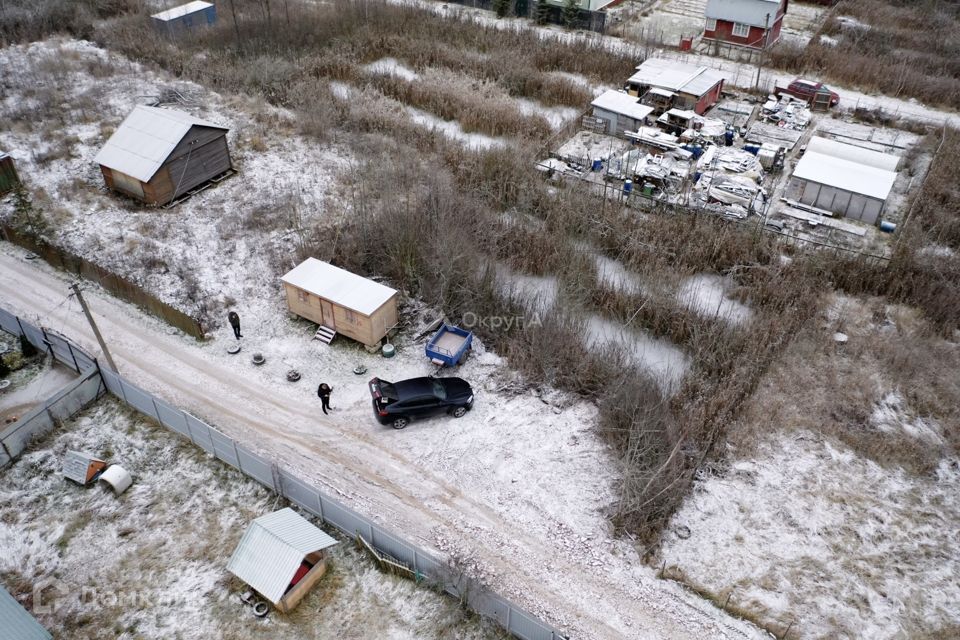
{"points": [[382, 412]]}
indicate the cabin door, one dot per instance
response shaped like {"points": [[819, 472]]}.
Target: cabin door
{"points": [[327, 310]]}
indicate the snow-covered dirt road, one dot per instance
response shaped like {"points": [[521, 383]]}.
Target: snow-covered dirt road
{"points": [[604, 593]]}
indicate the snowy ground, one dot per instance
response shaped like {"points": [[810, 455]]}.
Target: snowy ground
{"points": [[837, 507], [135, 567], [516, 489]]}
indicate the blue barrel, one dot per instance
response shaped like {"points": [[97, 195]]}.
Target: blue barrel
{"points": [[697, 151], [728, 138], [887, 227], [752, 148], [597, 164], [627, 187]]}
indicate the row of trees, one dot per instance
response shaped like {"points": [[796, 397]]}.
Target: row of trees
{"points": [[569, 15]]}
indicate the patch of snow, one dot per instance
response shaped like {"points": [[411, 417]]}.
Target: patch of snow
{"points": [[706, 295], [891, 415], [665, 363], [341, 90], [611, 273], [557, 116], [453, 130], [392, 67]]}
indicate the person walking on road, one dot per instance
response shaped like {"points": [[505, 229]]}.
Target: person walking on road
{"points": [[323, 392], [235, 323]]}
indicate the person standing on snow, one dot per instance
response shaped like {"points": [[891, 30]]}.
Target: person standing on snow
{"points": [[235, 323], [323, 392]]}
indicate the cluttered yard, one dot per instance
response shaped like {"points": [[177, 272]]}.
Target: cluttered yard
{"points": [[649, 275]]}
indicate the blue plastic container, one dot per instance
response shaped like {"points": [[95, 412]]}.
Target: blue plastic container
{"points": [[597, 164], [887, 227], [627, 187]]}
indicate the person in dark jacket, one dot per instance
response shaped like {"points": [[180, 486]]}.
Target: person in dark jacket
{"points": [[323, 392], [235, 323]]}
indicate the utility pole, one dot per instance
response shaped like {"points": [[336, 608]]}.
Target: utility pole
{"points": [[93, 325], [763, 50]]}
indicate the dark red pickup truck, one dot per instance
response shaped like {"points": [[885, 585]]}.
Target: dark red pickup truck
{"points": [[812, 92]]}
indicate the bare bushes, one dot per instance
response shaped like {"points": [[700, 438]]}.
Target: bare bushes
{"points": [[877, 394], [26, 20]]}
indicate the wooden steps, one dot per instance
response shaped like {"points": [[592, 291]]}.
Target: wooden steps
{"points": [[324, 334]]}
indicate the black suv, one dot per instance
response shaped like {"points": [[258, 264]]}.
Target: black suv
{"points": [[396, 403]]}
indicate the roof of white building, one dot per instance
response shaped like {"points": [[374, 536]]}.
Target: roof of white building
{"points": [[182, 10], [145, 139], [752, 12], [271, 550], [869, 157], [622, 103], [339, 286], [676, 76], [844, 174]]}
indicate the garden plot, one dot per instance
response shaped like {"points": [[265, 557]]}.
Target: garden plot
{"points": [[224, 242], [134, 567], [810, 533], [486, 92]]}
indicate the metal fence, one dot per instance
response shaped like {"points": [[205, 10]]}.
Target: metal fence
{"points": [[62, 404], [282, 481]]}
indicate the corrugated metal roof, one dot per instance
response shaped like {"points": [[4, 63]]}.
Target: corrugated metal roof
{"points": [[271, 550], [16, 622], [676, 76], [845, 175], [869, 157], [182, 10], [752, 12], [622, 103], [341, 287], [145, 139]]}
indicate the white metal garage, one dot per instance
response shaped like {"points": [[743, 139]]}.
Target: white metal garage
{"points": [[847, 180]]}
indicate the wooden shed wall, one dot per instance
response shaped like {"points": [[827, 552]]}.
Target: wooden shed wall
{"points": [[201, 155], [368, 330]]}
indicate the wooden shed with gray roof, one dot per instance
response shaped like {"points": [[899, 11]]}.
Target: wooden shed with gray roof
{"points": [[157, 155], [281, 556]]}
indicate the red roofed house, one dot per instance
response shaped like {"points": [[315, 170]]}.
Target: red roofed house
{"points": [[746, 23]]}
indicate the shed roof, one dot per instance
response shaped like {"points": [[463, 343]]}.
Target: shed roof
{"points": [[676, 76], [182, 10], [869, 157], [17, 622], [339, 286], [845, 175], [271, 550], [623, 104], [145, 139], [752, 12]]}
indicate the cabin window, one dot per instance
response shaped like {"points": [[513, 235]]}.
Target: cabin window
{"points": [[711, 24], [741, 30]]}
